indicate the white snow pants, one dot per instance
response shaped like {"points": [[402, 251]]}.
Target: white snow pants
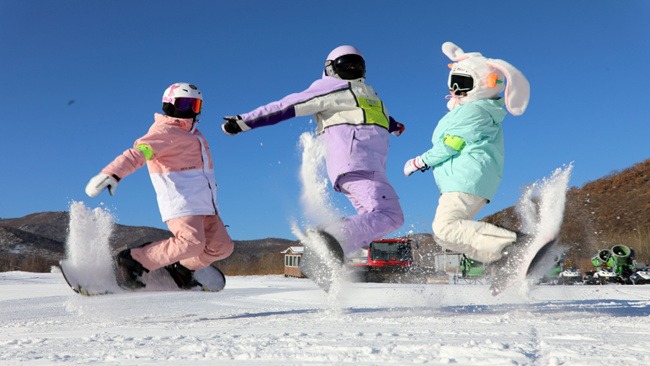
{"points": [[454, 229]]}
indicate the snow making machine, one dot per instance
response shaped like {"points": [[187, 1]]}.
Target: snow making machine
{"points": [[471, 271], [616, 265], [562, 273]]}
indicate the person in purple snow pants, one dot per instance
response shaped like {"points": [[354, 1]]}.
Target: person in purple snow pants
{"points": [[354, 124]]}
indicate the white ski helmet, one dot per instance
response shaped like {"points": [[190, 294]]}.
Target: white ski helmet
{"points": [[473, 77], [182, 100], [346, 63]]}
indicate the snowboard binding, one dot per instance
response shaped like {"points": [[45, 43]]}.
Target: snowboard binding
{"points": [[503, 272], [128, 271], [323, 258], [183, 276]]}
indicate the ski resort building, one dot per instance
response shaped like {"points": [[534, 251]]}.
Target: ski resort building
{"points": [[292, 257]]}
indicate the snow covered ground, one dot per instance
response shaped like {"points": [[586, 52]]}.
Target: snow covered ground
{"points": [[272, 320]]}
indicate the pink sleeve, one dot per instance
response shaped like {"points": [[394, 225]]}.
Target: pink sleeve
{"points": [[125, 164]]}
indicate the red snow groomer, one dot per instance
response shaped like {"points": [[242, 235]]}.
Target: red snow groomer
{"points": [[387, 260]]}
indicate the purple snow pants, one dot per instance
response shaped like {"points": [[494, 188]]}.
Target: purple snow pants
{"points": [[377, 205]]}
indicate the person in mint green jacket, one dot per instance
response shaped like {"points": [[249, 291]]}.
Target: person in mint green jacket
{"points": [[467, 156]]}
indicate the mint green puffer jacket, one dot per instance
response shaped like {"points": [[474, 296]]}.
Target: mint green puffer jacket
{"points": [[467, 153]]}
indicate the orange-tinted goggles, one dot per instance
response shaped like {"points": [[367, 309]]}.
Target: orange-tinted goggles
{"points": [[184, 104]]}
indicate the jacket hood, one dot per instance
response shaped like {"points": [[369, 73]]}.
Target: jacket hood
{"points": [[186, 124], [494, 107]]}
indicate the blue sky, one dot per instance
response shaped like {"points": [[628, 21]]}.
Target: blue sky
{"points": [[586, 62]]}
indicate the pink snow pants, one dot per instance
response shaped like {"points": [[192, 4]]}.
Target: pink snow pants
{"points": [[197, 242], [378, 210]]}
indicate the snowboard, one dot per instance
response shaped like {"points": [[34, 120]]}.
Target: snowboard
{"points": [[530, 263], [210, 278], [322, 260]]}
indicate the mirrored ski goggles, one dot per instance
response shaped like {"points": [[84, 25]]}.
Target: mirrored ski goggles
{"points": [[347, 62], [462, 83], [184, 104]]}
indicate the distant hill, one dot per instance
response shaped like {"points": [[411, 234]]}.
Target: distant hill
{"points": [[256, 257]]}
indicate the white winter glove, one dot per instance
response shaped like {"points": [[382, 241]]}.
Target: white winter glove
{"points": [[413, 165], [99, 182]]}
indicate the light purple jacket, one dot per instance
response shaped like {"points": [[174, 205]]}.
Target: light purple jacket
{"points": [[350, 118]]}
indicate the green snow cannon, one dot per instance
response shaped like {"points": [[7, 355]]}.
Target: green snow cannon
{"points": [[620, 255], [470, 267], [602, 257], [557, 268]]}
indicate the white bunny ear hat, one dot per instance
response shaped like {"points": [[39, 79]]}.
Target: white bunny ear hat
{"points": [[488, 75]]}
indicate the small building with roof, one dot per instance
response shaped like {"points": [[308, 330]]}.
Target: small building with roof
{"points": [[292, 258]]}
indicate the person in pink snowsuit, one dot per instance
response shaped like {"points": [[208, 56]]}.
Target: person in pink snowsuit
{"points": [[355, 125], [179, 162]]}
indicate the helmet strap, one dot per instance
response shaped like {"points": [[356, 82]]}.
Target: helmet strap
{"points": [[329, 69]]}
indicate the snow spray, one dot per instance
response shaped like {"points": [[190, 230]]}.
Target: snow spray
{"points": [[88, 253], [541, 209], [315, 200], [541, 206]]}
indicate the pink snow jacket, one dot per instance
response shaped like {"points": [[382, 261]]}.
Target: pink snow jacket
{"points": [[180, 165]]}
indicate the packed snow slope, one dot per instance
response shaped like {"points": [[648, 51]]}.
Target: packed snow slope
{"points": [[272, 320]]}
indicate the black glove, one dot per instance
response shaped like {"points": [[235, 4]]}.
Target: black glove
{"points": [[231, 127], [399, 129], [395, 127]]}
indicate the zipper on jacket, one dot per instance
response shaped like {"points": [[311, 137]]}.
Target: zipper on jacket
{"points": [[355, 97], [212, 192]]}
